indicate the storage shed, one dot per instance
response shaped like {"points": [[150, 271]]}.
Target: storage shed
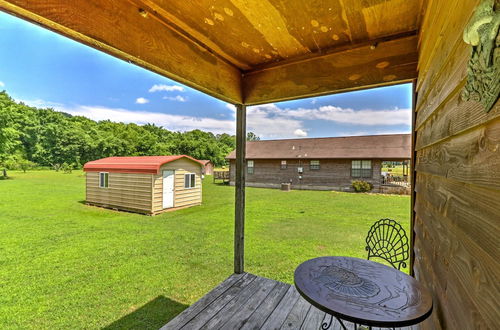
{"points": [[145, 184], [208, 167]]}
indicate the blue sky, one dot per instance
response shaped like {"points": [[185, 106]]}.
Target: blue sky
{"points": [[44, 69]]}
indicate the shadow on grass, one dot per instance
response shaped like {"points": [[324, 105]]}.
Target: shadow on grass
{"points": [[153, 315]]}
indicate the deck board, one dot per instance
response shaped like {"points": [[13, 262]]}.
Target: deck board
{"points": [[249, 302]]}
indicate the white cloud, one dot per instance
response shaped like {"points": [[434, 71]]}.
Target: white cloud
{"points": [[2, 84], [141, 100], [269, 121], [356, 117], [38, 103], [168, 121], [177, 98], [166, 88], [300, 132]]}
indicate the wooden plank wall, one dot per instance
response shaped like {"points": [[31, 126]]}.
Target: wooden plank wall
{"points": [[182, 197], [458, 179], [128, 191]]}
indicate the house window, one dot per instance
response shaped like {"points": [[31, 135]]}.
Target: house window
{"points": [[361, 169], [283, 164], [314, 165], [250, 167], [189, 180], [103, 179]]}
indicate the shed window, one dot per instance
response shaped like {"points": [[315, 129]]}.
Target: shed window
{"points": [[314, 165], [250, 167], [189, 180], [103, 179], [283, 164], [361, 169]]}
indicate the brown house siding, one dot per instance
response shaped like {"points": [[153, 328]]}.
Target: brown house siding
{"points": [[334, 174], [458, 180]]}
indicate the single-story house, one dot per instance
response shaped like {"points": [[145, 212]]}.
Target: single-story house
{"points": [[208, 167], [144, 184], [321, 163]]}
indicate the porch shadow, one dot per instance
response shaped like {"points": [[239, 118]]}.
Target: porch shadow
{"points": [[152, 315]]}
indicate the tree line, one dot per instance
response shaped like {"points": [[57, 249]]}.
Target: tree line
{"points": [[31, 136]]}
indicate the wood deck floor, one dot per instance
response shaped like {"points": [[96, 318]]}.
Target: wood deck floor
{"points": [[246, 301]]}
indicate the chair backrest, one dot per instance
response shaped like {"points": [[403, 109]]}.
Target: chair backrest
{"points": [[387, 239]]}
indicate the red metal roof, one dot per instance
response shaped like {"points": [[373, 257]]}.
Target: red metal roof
{"points": [[136, 164]]}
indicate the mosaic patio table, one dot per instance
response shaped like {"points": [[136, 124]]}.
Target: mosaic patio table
{"points": [[363, 292]]}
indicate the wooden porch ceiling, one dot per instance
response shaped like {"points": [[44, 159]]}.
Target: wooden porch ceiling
{"points": [[247, 51]]}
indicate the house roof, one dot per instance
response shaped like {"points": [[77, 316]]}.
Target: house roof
{"points": [[396, 146], [205, 161], [136, 164]]}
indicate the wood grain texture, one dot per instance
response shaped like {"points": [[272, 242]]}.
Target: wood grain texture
{"points": [[262, 312], [239, 191], [249, 33], [440, 35], [193, 310], [472, 157], [225, 300], [268, 295], [245, 301], [281, 311], [297, 315], [463, 202], [455, 117], [252, 295], [457, 181], [119, 29], [459, 261], [389, 63]]}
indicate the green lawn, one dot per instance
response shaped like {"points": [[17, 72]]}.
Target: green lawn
{"points": [[67, 265]]}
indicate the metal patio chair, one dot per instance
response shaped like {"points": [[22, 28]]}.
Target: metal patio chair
{"points": [[387, 240]]}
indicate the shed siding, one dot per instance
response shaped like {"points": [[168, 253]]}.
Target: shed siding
{"points": [[182, 197], [126, 190], [333, 174], [458, 179]]}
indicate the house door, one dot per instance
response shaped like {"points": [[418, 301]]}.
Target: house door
{"points": [[168, 189]]}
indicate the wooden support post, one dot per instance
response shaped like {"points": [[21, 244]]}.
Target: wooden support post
{"points": [[239, 205], [413, 177]]}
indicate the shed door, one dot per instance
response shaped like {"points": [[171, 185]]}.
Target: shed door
{"points": [[168, 189]]}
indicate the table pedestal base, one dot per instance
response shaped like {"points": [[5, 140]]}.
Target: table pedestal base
{"points": [[326, 325]]}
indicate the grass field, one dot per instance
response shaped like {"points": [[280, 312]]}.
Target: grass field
{"points": [[68, 265]]}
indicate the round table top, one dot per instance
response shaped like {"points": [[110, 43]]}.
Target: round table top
{"points": [[363, 291]]}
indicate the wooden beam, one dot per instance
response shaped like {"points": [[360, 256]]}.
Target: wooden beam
{"points": [[413, 177], [386, 63], [131, 33], [239, 206]]}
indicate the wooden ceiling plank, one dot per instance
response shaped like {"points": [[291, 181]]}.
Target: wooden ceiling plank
{"points": [[180, 26], [391, 62], [129, 33]]}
